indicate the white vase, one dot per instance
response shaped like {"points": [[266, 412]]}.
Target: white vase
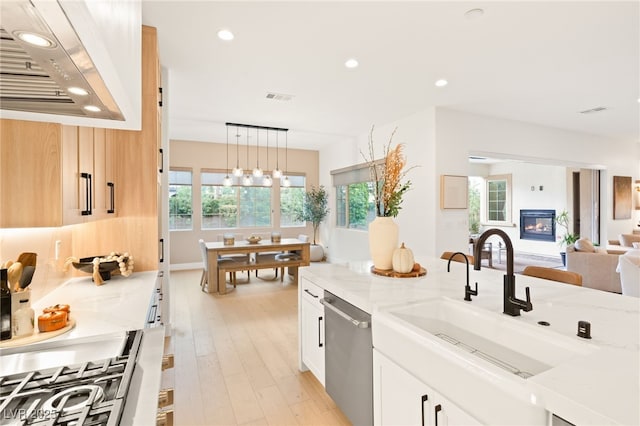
{"points": [[383, 240], [316, 252]]}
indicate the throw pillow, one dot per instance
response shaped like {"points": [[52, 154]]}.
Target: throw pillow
{"points": [[627, 240], [584, 244]]}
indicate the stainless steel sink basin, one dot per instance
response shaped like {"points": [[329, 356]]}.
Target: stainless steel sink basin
{"points": [[515, 346]]}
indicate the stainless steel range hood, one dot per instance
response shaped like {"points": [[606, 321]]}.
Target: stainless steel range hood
{"points": [[48, 79]]}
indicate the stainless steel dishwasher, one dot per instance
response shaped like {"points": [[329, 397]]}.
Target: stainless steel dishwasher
{"points": [[349, 359]]}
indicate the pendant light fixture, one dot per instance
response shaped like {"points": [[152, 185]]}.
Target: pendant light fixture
{"points": [[237, 171], [257, 171], [277, 173], [247, 180], [227, 180], [266, 180], [286, 182]]}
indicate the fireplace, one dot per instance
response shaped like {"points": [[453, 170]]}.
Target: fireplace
{"points": [[538, 225]]}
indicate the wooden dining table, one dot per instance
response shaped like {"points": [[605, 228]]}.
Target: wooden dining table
{"points": [[217, 270]]}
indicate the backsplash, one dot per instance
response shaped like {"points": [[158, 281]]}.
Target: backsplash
{"points": [[42, 241]]}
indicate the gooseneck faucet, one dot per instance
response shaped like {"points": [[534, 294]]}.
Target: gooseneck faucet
{"points": [[467, 288], [512, 305]]}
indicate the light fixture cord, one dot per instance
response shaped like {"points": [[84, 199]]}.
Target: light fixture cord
{"points": [[237, 147], [286, 152], [248, 165], [277, 157], [267, 166], [227, 150], [257, 148]]}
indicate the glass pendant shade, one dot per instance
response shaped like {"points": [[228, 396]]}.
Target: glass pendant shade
{"points": [[277, 173], [257, 172], [266, 181], [227, 181], [286, 182], [237, 171], [246, 181]]}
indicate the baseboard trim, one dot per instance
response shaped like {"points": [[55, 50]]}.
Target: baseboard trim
{"points": [[185, 266]]}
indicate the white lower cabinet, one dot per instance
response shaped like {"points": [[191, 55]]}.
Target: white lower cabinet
{"points": [[401, 399], [312, 328]]}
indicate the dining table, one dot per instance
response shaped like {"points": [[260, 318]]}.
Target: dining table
{"points": [[297, 250]]}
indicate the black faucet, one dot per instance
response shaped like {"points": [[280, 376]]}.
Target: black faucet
{"points": [[467, 288], [512, 305]]}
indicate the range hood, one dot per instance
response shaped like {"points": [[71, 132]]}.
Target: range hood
{"points": [[54, 76]]}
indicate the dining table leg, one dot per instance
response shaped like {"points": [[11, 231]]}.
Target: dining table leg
{"points": [[214, 281]]}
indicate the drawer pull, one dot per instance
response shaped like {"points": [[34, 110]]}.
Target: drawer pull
{"points": [[164, 418], [308, 292], [167, 362], [165, 397]]}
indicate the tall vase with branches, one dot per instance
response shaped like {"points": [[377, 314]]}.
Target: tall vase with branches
{"points": [[388, 176]]}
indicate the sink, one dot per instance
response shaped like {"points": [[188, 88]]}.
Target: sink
{"points": [[512, 345]]}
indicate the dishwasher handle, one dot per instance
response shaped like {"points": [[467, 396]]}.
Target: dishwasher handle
{"points": [[359, 324]]}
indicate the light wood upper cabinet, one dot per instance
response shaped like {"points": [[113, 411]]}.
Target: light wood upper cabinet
{"points": [[30, 174]]}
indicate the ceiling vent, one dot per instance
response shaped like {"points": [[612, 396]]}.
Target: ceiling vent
{"points": [[596, 109], [279, 96]]}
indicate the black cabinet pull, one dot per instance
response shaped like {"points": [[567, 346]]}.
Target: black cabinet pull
{"points": [[306, 290], [319, 330], [424, 399], [161, 168], [112, 190], [161, 96], [88, 193], [161, 250], [437, 409]]}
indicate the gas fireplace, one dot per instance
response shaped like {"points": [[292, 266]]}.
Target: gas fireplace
{"points": [[538, 225]]}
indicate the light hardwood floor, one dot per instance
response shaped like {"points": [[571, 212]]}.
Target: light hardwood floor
{"points": [[236, 357]]}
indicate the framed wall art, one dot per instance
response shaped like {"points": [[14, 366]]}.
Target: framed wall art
{"points": [[622, 197], [454, 192]]}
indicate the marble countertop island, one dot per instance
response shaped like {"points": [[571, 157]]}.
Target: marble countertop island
{"points": [[602, 387]]}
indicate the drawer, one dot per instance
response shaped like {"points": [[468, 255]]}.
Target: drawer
{"points": [[311, 292]]}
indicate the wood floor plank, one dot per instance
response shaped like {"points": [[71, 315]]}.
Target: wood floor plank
{"points": [[236, 359]]}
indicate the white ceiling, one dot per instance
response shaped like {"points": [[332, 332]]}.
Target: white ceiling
{"points": [[539, 62]]}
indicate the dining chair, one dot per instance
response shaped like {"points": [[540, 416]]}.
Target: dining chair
{"points": [[237, 257], [457, 258], [553, 274], [267, 255], [291, 255], [204, 279]]}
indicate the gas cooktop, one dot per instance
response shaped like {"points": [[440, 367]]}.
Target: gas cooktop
{"points": [[86, 393]]}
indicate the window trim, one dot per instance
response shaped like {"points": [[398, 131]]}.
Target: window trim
{"points": [[508, 221]]}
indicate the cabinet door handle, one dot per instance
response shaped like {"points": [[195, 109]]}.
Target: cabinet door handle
{"points": [[112, 190], [160, 96], [161, 250], [306, 290], [320, 344], [161, 168], [437, 409], [424, 399], [88, 193]]}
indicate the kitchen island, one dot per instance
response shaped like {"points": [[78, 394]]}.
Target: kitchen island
{"points": [[103, 317], [583, 381]]}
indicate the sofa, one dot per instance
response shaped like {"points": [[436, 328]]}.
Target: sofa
{"points": [[596, 265], [629, 268], [624, 243]]}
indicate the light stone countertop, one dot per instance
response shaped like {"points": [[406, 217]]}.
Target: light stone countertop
{"points": [[600, 388]]}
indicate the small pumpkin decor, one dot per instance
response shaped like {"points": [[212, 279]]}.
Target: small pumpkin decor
{"points": [[402, 260]]}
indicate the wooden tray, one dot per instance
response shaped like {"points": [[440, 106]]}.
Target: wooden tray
{"points": [[393, 274], [37, 336]]}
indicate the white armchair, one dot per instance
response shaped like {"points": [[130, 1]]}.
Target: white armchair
{"points": [[598, 268], [629, 268]]}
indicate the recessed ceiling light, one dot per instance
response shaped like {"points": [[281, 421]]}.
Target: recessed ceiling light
{"points": [[441, 83], [351, 63], [92, 108], [225, 35], [473, 13], [35, 39], [77, 91]]}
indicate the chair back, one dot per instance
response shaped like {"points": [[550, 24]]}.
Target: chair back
{"points": [[553, 274], [203, 252], [457, 258], [304, 238]]}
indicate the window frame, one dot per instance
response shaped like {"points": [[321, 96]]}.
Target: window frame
{"points": [[508, 221], [181, 169]]}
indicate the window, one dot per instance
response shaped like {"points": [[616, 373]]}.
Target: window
{"points": [[180, 200], [291, 199], [498, 207], [355, 197], [234, 206]]}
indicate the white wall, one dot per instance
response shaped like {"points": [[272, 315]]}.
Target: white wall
{"points": [[440, 140]]}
